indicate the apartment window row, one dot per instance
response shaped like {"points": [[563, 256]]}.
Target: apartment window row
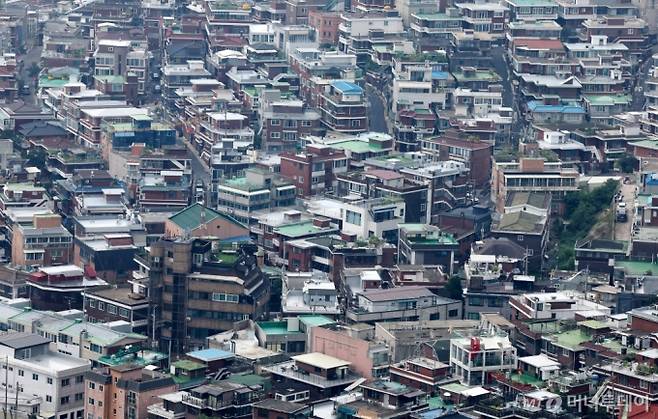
{"points": [[225, 298]]}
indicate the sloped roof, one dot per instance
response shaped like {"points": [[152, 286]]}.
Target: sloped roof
{"points": [[521, 222], [191, 217]]}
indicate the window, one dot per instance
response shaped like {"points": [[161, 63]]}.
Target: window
{"points": [[92, 303], [352, 217], [64, 400], [80, 379], [453, 313], [123, 313], [49, 399], [66, 382], [79, 397], [92, 386], [519, 238], [91, 401], [112, 309], [49, 380], [101, 306], [275, 122], [35, 377], [275, 135], [21, 373]]}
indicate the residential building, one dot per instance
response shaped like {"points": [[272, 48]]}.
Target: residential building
{"points": [[473, 359], [324, 376], [533, 175], [284, 122], [422, 373], [404, 303], [315, 171], [257, 190], [555, 305], [199, 221], [61, 287], [368, 358], [213, 127], [127, 389], [275, 409], [197, 290], [343, 107], [105, 305], [474, 154], [526, 229], [426, 245], [142, 129], [221, 399], [309, 293], [41, 241], [41, 381], [164, 191]]}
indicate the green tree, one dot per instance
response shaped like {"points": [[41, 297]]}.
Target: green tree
{"points": [[37, 158], [453, 288], [627, 164], [34, 70]]}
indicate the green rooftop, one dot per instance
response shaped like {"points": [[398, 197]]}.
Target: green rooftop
{"points": [[276, 328], [111, 79], [594, 324], [134, 358], [608, 100], [532, 3], [526, 379], [454, 387], [196, 215], [242, 184], [636, 268], [315, 320], [47, 83], [187, 365], [438, 403], [651, 144], [477, 75], [572, 339], [356, 146], [436, 16], [298, 230]]}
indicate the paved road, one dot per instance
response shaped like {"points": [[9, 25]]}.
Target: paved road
{"points": [[33, 56], [376, 111], [623, 230], [639, 84]]}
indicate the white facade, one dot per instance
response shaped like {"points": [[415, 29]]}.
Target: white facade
{"points": [[472, 359], [376, 217], [555, 305], [51, 381]]}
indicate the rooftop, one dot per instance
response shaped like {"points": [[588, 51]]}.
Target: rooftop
{"points": [[321, 360]]}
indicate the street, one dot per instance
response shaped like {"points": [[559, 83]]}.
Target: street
{"points": [[33, 56], [376, 111], [623, 229]]}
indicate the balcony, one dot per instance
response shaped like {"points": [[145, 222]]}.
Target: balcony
{"points": [[290, 371]]}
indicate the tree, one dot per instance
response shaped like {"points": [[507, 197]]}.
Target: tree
{"points": [[34, 70], [627, 164], [37, 158], [453, 288]]}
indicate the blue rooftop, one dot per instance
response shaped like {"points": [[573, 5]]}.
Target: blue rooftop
{"points": [[440, 75], [209, 355], [539, 107], [651, 180], [346, 87]]}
